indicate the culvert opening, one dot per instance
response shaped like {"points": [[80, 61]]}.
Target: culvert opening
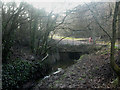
{"points": [[74, 55], [65, 59]]}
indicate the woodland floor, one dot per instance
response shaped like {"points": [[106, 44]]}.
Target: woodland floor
{"points": [[90, 71]]}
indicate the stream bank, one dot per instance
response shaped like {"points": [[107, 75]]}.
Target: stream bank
{"points": [[90, 71], [61, 61]]}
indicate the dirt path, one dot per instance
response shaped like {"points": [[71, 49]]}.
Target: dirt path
{"points": [[89, 72]]}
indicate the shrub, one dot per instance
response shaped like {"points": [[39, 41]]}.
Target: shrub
{"points": [[18, 72]]}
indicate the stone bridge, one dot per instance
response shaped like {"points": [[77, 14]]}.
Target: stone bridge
{"points": [[69, 50], [78, 46]]}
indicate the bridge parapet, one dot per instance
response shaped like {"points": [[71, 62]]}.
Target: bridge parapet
{"points": [[83, 48]]}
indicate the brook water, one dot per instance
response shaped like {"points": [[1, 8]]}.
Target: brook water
{"points": [[63, 59]]}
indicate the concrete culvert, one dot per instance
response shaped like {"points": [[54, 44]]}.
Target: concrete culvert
{"points": [[74, 55]]}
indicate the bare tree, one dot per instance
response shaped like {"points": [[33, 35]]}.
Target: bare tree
{"points": [[9, 24]]}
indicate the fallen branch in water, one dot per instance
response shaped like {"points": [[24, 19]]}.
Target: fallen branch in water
{"points": [[45, 57]]}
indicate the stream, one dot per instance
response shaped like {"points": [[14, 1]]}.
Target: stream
{"points": [[60, 61]]}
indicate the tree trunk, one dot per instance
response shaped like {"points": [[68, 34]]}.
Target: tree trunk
{"points": [[33, 36], [114, 66], [119, 34]]}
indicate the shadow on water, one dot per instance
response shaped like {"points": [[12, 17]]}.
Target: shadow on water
{"points": [[65, 59]]}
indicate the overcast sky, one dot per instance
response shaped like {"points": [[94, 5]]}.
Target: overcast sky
{"points": [[56, 5]]}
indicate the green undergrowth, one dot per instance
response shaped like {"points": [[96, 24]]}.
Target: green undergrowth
{"points": [[18, 72], [115, 83], [81, 57]]}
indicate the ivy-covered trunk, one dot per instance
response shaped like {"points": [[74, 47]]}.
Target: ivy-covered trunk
{"points": [[119, 34], [114, 66]]}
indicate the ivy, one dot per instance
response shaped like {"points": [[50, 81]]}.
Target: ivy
{"points": [[18, 72]]}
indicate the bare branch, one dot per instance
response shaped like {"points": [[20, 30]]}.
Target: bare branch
{"points": [[45, 57], [98, 22]]}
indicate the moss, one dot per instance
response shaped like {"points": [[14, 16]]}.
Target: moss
{"points": [[57, 81], [91, 77], [115, 82], [83, 76], [64, 75], [80, 78], [96, 68], [81, 57]]}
